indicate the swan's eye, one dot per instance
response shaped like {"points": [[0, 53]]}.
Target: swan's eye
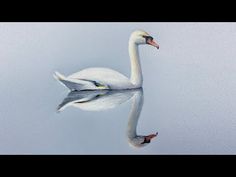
{"points": [[148, 38]]}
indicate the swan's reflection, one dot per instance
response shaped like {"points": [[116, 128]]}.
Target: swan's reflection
{"points": [[107, 99]]}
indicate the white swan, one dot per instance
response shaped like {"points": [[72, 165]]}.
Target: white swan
{"points": [[106, 99], [105, 78]]}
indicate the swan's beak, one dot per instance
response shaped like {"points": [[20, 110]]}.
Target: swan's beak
{"points": [[149, 137], [153, 43]]}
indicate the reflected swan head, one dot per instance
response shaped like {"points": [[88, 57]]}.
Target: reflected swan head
{"points": [[100, 100], [141, 141], [140, 37]]}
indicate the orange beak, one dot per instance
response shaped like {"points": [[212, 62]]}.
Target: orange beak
{"points": [[153, 43], [149, 137]]}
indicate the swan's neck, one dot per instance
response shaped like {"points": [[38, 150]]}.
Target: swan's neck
{"points": [[136, 108], [136, 71]]}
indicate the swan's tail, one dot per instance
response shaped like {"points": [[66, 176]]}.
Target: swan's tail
{"points": [[58, 76], [73, 84]]}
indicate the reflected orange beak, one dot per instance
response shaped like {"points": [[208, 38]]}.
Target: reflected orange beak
{"points": [[149, 137], [153, 43]]}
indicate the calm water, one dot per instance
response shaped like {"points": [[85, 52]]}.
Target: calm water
{"points": [[188, 96]]}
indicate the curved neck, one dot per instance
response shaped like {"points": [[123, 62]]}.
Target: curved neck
{"points": [[136, 108], [136, 71]]}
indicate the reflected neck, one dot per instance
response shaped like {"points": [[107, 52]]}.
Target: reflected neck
{"points": [[136, 108], [136, 71]]}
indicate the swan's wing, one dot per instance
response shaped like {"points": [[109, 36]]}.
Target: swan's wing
{"points": [[72, 85], [103, 76], [78, 84]]}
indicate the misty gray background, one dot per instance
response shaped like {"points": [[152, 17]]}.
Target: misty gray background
{"points": [[189, 88]]}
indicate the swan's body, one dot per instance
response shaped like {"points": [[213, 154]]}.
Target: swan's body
{"points": [[105, 78], [99, 100]]}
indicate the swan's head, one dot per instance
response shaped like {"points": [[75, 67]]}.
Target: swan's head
{"points": [[142, 37], [141, 141]]}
